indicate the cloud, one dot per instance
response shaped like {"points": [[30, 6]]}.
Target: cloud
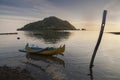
{"points": [[35, 8], [113, 11], [22, 3], [75, 11]]}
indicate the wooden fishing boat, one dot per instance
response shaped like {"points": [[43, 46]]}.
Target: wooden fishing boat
{"points": [[45, 51]]}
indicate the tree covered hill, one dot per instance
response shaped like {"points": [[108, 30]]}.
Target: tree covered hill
{"points": [[49, 23]]}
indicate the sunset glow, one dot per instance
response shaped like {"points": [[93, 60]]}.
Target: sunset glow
{"points": [[81, 13]]}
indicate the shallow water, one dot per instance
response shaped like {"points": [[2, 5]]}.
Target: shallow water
{"points": [[74, 65]]}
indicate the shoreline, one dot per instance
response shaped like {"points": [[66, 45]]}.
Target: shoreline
{"points": [[14, 33], [14, 73], [116, 33]]}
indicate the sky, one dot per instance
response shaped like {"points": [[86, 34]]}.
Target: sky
{"points": [[81, 13]]}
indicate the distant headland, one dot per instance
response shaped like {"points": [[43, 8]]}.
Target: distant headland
{"points": [[49, 23]]}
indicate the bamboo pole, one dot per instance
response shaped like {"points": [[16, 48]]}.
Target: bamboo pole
{"points": [[99, 39]]}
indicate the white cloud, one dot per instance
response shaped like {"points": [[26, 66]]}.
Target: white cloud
{"points": [[87, 11], [38, 8]]}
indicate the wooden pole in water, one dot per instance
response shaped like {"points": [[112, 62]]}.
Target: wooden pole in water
{"points": [[99, 39]]}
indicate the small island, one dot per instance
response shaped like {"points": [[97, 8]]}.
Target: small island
{"points": [[49, 23]]}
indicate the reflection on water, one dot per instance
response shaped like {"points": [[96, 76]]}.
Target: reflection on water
{"points": [[49, 36], [91, 74], [79, 48], [52, 66], [47, 59]]}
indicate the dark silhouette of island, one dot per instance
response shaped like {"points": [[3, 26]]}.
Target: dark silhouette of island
{"points": [[116, 33], [49, 23]]}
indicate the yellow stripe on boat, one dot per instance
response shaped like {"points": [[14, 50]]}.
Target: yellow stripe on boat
{"points": [[53, 52]]}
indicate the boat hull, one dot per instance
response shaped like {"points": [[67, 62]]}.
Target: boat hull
{"points": [[45, 51], [53, 52]]}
